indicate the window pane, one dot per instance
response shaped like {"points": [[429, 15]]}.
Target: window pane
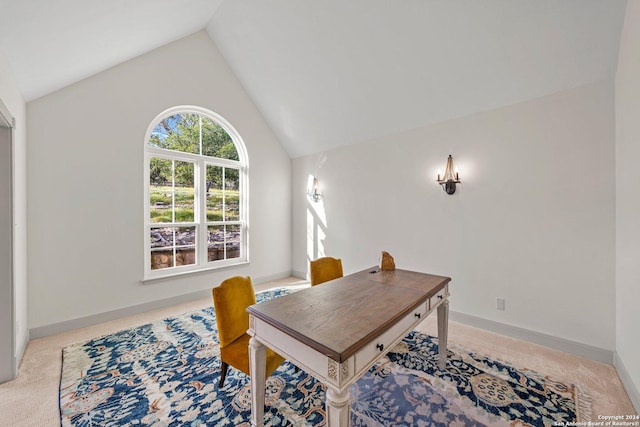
{"points": [[166, 240], [184, 192], [216, 142], [160, 179], [214, 193], [162, 237], [162, 243], [232, 237], [185, 236], [179, 132], [215, 244], [232, 195], [185, 246]]}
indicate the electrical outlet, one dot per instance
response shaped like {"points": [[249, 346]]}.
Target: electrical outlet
{"points": [[500, 304]]}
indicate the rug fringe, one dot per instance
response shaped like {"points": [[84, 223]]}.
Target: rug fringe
{"points": [[584, 404]]}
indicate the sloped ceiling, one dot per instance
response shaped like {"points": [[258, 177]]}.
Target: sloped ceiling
{"points": [[334, 72], [53, 43]]}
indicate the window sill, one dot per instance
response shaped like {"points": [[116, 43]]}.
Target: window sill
{"points": [[179, 274]]}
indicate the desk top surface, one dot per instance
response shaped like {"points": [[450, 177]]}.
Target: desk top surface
{"points": [[339, 317]]}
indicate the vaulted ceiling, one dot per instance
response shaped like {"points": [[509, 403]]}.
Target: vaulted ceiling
{"points": [[334, 72]]}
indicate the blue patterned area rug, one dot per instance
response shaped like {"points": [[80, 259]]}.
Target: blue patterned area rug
{"points": [[166, 374]]}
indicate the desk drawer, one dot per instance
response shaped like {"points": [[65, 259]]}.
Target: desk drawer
{"points": [[435, 300], [382, 344]]}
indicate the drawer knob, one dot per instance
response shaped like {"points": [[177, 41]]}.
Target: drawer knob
{"points": [[417, 315], [380, 347], [439, 296]]}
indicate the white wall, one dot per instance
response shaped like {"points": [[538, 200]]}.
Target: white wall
{"points": [[86, 182], [533, 221], [10, 95], [628, 203]]}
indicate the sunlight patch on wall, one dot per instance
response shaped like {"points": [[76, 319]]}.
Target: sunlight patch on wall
{"points": [[316, 225]]}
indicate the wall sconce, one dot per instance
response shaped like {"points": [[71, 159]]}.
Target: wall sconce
{"points": [[450, 178], [313, 192]]}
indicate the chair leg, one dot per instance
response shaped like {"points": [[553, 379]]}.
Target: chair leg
{"points": [[223, 373]]}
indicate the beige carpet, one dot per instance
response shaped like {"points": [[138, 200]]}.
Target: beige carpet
{"points": [[32, 398]]}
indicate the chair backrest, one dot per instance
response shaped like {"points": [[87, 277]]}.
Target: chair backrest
{"points": [[325, 269], [230, 301]]}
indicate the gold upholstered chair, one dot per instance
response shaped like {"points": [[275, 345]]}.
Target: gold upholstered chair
{"points": [[230, 301], [325, 269]]}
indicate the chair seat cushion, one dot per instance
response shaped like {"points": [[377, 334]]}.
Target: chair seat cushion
{"points": [[235, 354]]}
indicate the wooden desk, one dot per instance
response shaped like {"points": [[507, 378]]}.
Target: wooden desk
{"points": [[337, 330]]}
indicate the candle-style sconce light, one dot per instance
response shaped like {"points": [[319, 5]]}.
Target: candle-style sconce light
{"points": [[313, 192], [450, 178]]}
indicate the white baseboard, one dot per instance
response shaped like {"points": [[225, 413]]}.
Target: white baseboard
{"points": [[271, 277], [568, 346], [20, 350], [573, 347], [627, 382], [94, 319]]}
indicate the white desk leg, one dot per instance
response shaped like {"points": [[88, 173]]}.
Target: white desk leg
{"points": [[257, 368], [337, 407], [443, 329]]}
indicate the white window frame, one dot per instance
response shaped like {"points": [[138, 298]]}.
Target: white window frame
{"points": [[200, 218]]}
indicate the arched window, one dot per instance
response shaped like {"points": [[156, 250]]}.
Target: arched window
{"points": [[195, 193]]}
